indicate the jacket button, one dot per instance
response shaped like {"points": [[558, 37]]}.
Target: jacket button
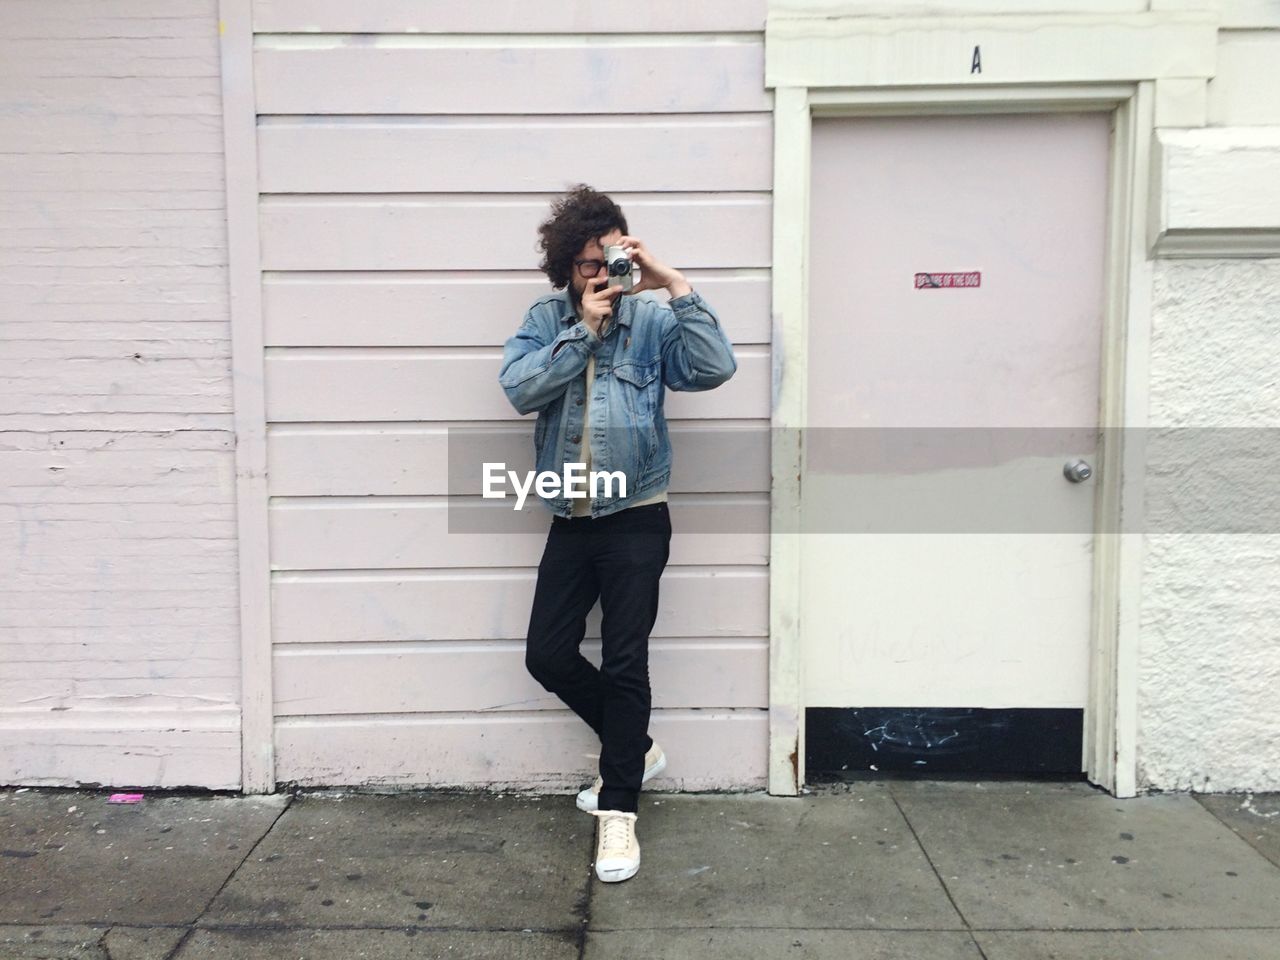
{"points": [[576, 438], [578, 401]]}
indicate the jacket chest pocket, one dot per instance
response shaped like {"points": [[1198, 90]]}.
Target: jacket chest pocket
{"points": [[639, 385]]}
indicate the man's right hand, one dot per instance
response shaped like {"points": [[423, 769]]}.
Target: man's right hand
{"points": [[597, 303]]}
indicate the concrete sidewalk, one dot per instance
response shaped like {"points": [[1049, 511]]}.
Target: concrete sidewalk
{"points": [[891, 869]]}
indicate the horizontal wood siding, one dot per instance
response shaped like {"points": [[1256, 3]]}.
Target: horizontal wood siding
{"points": [[360, 74], [459, 308], [541, 750], [361, 459], [503, 16], [345, 607], [399, 220], [447, 232], [336, 384], [505, 154], [412, 532], [415, 678]]}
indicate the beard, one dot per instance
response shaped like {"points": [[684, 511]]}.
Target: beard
{"points": [[575, 298]]}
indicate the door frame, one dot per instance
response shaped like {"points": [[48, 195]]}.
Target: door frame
{"points": [[1146, 70]]}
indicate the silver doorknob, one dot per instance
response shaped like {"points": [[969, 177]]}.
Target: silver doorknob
{"points": [[1077, 471]]}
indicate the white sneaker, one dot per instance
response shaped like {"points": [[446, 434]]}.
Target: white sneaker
{"points": [[617, 850], [655, 761]]}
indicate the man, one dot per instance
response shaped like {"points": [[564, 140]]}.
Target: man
{"points": [[594, 363]]}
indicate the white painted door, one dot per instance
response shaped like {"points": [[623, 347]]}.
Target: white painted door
{"points": [[955, 318]]}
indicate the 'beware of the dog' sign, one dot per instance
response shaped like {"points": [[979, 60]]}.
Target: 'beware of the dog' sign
{"points": [[939, 281]]}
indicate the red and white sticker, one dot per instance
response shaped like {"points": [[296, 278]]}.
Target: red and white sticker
{"points": [[941, 281]]}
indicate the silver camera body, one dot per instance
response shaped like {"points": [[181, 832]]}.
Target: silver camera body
{"points": [[619, 267]]}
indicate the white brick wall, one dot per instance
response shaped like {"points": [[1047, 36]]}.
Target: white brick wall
{"points": [[119, 657]]}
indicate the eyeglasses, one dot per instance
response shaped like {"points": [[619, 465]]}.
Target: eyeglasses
{"points": [[588, 268]]}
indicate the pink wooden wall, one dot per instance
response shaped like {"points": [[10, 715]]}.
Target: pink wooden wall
{"points": [[403, 173], [119, 641]]}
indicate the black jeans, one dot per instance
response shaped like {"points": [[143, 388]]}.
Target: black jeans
{"points": [[619, 559]]}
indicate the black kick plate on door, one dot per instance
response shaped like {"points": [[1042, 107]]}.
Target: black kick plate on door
{"points": [[848, 742]]}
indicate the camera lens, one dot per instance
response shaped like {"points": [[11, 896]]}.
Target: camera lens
{"points": [[619, 266]]}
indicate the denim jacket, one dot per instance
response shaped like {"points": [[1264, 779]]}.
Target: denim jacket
{"points": [[647, 347]]}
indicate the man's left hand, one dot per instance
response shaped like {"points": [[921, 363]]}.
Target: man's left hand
{"points": [[653, 274]]}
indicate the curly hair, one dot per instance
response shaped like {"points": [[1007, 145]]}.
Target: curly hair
{"points": [[578, 217]]}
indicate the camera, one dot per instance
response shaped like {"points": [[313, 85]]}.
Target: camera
{"points": [[619, 267]]}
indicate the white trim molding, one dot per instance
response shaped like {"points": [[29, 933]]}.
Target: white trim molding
{"points": [[1215, 193], [828, 52], [790, 353], [240, 137], [1235, 14]]}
